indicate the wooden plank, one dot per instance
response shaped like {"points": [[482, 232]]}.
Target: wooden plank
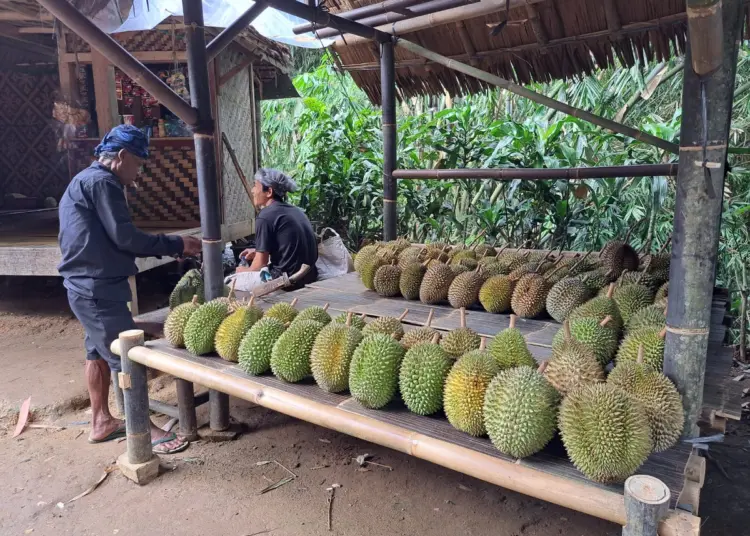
{"points": [[144, 56], [66, 71], [104, 92]]}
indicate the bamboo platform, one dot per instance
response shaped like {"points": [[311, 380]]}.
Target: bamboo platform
{"points": [[548, 475]]}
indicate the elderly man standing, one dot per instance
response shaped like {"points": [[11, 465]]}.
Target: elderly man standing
{"points": [[99, 245]]}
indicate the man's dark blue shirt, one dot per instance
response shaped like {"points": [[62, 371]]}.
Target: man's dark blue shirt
{"points": [[98, 240]]}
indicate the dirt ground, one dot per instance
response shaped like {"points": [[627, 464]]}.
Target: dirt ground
{"points": [[214, 488]]}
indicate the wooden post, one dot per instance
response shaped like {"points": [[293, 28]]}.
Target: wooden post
{"points": [[67, 71], [208, 184], [186, 409], [134, 384], [388, 92], [698, 204], [104, 93], [646, 503], [119, 397]]}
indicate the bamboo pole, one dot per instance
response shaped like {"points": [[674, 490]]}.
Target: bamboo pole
{"points": [[705, 30], [134, 384], [698, 205], [523, 478], [648, 170], [390, 137], [539, 98], [362, 12], [227, 35]]}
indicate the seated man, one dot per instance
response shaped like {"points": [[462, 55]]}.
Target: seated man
{"points": [[284, 237], [99, 244]]}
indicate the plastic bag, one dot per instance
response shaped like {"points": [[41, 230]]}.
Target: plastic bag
{"points": [[333, 257]]}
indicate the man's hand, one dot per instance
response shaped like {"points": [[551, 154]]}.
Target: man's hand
{"points": [[248, 254], [191, 246]]}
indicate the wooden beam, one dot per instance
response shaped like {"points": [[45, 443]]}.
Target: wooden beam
{"points": [[148, 56], [12, 32], [66, 71], [536, 25], [469, 47], [14, 16], [36, 30], [104, 93], [630, 28]]}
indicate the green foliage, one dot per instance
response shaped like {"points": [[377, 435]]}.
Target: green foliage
{"points": [[330, 141]]}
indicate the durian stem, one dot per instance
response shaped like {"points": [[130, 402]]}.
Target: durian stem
{"points": [[231, 289], [607, 319], [326, 306], [542, 367], [580, 261], [252, 300], [555, 269], [435, 338], [641, 352], [195, 299], [610, 290], [664, 245], [663, 332], [403, 315], [513, 319], [483, 344], [500, 251], [430, 317], [462, 313], [294, 302], [645, 269], [476, 238], [349, 318], [566, 327]]}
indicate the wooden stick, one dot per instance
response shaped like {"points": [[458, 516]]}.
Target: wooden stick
{"points": [[482, 344], [520, 477], [294, 302], [566, 327], [462, 313], [237, 166], [326, 306], [349, 318], [513, 319], [435, 338], [403, 315], [429, 317], [610, 290]]}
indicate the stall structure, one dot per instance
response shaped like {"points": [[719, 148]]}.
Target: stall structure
{"points": [[576, 35], [98, 96]]}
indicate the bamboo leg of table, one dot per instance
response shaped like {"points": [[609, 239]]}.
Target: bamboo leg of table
{"points": [[186, 410]]}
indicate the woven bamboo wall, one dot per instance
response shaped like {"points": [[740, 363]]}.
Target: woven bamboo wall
{"points": [[167, 193], [236, 120], [137, 41], [30, 163]]}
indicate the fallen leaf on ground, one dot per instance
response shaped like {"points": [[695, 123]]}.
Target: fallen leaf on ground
{"points": [[95, 485], [23, 417]]}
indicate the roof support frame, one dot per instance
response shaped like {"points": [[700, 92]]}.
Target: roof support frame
{"points": [[363, 12], [227, 35]]}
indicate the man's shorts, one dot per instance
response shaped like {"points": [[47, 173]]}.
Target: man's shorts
{"points": [[103, 321]]}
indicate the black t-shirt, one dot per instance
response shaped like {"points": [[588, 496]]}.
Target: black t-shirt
{"points": [[284, 232]]}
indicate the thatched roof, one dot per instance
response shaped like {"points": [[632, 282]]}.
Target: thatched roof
{"points": [[579, 39]]}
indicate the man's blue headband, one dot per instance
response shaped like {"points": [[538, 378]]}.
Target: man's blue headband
{"points": [[128, 137]]}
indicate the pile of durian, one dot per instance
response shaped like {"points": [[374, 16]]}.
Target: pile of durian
{"points": [[608, 423], [528, 283]]}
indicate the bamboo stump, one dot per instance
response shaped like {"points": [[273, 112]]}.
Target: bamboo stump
{"points": [[186, 409], [139, 463], [646, 503]]}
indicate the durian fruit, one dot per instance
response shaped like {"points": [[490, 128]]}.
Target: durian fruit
{"points": [[369, 268], [364, 255], [520, 411], [458, 269], [661, 295], [573, 365], [598, 336], [461, 254], [599, 308], [398, 245], [189, 285], [580, 265], [420, 335], [332, 354], [652, 340], [386, 281], [597, 279], [514, 259], [605, 432], [422, 377], [461, 340], [290, 356], [202, 326], [485, 250], [659, 262], [496, 293], [233, 329], [373, 372], [438, 251], [174, 325], [618, 255], [465, 387], [435, 284], [566, 295], [509, 349], [659, 397], [356, 321], [411, 279], [525, 269], [464, 265], [410, 255], [387, 325], [651, 316], [643, 278], [464, 290], [631, 299], [283, 311], [314, 312], [530, 294], [254, 353]]}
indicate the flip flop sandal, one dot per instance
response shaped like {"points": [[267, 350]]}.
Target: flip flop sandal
{"points": [[117, 434], [166, 439]]}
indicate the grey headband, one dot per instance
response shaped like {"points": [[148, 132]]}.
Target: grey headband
{"points": [[272, 178]]}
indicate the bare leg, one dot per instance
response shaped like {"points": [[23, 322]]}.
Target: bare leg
{"points": [[97, 381]]}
